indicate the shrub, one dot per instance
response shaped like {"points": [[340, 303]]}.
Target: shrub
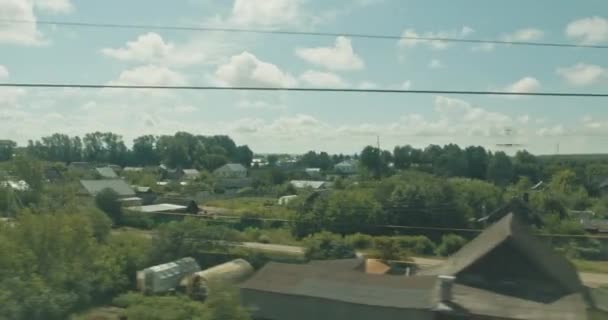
{"points": [[327, 246], [417, 244], [136, 219], [450, 243], [387, 248], [360, 241]]}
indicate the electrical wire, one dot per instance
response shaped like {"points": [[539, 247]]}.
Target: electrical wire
{"points": [[300, 89], [298, 33], [223, 218]]}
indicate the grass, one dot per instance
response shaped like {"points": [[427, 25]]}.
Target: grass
{"points": [[591, 266]]}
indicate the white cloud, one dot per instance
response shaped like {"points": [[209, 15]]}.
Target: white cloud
{"points": [[524, 85], [27, 34], [151, 48], [150, 75], [9, 96], [246, 69], [527, 34], [322, 79], [591, 30], [19, 33], [259, 105], [556, 130], [410, 36], [484, 47], [435, 64], [185, 108], [524, 119], [265, 13], [54, 6], [367, 85], [339, 57], [406, 85], [583, 74], [3, 72]]}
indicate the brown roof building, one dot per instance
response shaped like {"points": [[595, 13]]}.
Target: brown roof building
{"points": [[505, 273]]}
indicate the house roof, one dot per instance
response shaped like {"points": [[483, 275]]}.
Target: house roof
{"points": [[141, 189], [191, 172], [301, 184], [232, 167], [93, 187], [329, 281], [347, 163], [598, 225], [161, 207], [107, 172], [174, 200], [495, 305], [133, 169], [510, 229]]}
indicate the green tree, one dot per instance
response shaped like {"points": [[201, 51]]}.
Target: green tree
{"points": [[478, 159], [527, 165], [375, 161], [108, 201], [7, 148], [327, 246], [387, 248], [403, 156], [450, 243], [144, 151], [500, 169], [243, 155]]}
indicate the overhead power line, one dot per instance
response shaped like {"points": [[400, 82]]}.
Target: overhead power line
{"points": [[300, 33], [224, 218], [300, 89]]}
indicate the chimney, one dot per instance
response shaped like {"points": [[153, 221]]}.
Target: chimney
{"points": [[445, 288]]}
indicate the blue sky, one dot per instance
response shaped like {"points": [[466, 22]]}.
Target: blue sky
{"points": [[297, 122]]}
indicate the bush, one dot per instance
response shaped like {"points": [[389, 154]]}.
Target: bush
{"points": [[360, 240], [417, 244], [327, 246], [450, 243], [387, 248], [137, 220]]}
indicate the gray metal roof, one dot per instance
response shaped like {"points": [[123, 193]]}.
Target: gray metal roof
{"points": [[301, 184], [161, 207], [93, 187], [341, 282], [233, 167], [191, 172], [107, 172]]}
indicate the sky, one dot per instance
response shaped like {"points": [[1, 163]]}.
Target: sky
{"points": [[296, 122]]}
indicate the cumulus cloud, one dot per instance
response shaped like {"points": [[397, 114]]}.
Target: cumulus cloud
{"points": [[150, 75], [410, 38], [339, 57], [246, 69], [406, 85], [527, 34], [259, 105], [3, 72], [435, 64], [19, 33], [484, 47], [524, 85], [267, 13], [367, 85], [322, 79], [27, 34], [54, 6], [590, 30], [583, 74], [151, 48]]}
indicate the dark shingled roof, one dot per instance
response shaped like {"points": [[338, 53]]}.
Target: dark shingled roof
{"points": [[510, 229], [332, 281]]}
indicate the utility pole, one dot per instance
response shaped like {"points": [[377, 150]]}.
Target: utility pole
{"points": [[557, 148]]}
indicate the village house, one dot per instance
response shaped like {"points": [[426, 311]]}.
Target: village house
{"points": [[231, 171], [309, 184], [106, 173], [346, 167], [503, 274], [93, 187], [190, 174]]}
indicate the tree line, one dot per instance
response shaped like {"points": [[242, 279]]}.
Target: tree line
{"points": [[182, 149]]}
